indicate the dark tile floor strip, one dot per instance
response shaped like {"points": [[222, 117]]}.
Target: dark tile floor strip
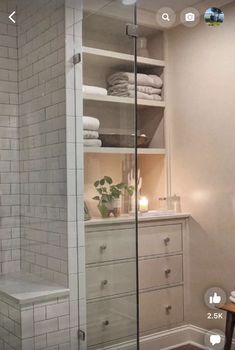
{"points": [[187, 347]]}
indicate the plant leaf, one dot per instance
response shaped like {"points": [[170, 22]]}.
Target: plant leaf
{"points": [[108, 180], [96, 198], [102, 182], [96, 184]]}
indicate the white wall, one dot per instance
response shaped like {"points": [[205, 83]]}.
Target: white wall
{"points": [[202, 110], [42, 130]]}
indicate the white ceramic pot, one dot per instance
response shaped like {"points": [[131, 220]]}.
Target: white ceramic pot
{"points": [[114, 204]]}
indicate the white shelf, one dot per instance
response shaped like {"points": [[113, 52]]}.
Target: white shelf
{"points": [[123, 100], [151, 151], [118, 58], [117, 150]]}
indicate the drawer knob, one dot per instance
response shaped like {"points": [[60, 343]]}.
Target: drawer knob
{"points": [[167, 240], [168, 309], [167, 272], [103, 247], [104, 283], [106, 323]]}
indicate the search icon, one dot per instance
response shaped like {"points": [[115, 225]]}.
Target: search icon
{"points": [[166, 17]]}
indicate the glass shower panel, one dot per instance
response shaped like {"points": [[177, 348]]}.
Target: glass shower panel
{"points": [[109, 123]]}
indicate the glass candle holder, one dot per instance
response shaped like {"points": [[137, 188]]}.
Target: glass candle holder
{"points": [[143, 204]]}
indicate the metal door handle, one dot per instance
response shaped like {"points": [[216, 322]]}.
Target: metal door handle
{"points": [[167, 272], [104, 282], [167, 240], [103, 247], [168, 308]]}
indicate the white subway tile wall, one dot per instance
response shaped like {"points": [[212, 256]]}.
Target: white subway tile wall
{"points": [[9, 145], [37, 326], [41, 160], [42, 129]]}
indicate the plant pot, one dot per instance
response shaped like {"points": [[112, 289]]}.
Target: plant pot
{"points": [[112, 207], [115, 207], [104, 211]]}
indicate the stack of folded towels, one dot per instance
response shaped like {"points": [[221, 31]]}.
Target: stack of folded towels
{"points": [[149, 87], [232, 297], [94, 90], [90, 132]]}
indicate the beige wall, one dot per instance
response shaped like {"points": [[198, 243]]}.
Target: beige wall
{"points": [[202, 109]]}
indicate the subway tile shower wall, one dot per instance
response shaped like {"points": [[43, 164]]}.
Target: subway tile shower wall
{"points": [[42, 130], [9, 145]]}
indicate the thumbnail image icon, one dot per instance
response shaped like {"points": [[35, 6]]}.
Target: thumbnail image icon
{"points": [[214, 16]]}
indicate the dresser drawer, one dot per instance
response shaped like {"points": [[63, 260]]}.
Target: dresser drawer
{"points": [[111, 320], [162, 271], [154, 240], [102, 246], [161, 308], [111, 279]]}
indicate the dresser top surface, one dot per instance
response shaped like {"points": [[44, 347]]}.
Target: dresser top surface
{"points": [[125, 219]]}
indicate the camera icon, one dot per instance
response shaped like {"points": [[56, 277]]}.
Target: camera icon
{"points": [[190, 17]]}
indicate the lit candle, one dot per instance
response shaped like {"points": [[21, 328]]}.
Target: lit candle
{"points": [[143, 204]]}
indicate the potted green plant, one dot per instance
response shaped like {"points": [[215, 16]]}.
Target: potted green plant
{"points": [[109, 197]]}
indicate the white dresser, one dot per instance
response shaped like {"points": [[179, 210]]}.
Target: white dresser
{"points": [[111, 277]]}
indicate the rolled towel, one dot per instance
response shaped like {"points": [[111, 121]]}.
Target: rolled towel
{"points": [[90, 134], [130, 87], [233, 294], [90, 123], [92, 143], [94, 90], [140, 95], [232, 299], [142, 79]]}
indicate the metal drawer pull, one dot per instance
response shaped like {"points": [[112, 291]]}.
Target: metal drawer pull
{"points": [[167, 240], [106, 323], [167, 272], [168, 308], [104, 283], [103, 247]]}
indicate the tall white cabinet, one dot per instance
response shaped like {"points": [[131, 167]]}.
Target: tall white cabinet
{"points": [[111, 279]]}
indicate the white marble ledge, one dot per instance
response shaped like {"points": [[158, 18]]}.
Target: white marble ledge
{"points": [[141, 218], [25, 288]]}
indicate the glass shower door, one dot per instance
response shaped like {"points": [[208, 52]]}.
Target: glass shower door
{"points": [[109, 140]]}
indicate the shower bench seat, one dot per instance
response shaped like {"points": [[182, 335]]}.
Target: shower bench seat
{"points": [[31, 307], [24, 288]]}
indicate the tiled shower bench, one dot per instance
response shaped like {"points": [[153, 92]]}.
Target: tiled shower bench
{"points": [[34, 313]]}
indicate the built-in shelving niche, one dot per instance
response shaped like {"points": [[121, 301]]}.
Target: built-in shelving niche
{"points": [[107, 51], [152, 170]]}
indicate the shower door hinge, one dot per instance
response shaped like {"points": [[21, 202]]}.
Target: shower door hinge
{"points": [[77, 58], [132, 30], [81, 335]]}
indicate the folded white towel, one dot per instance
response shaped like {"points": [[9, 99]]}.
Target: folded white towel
{"points": [[92, 143], [140, 95], [130, 87], [90, 134], [232, 299], [233, 294], [142, 79], [90, 123], [94, 90]]}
